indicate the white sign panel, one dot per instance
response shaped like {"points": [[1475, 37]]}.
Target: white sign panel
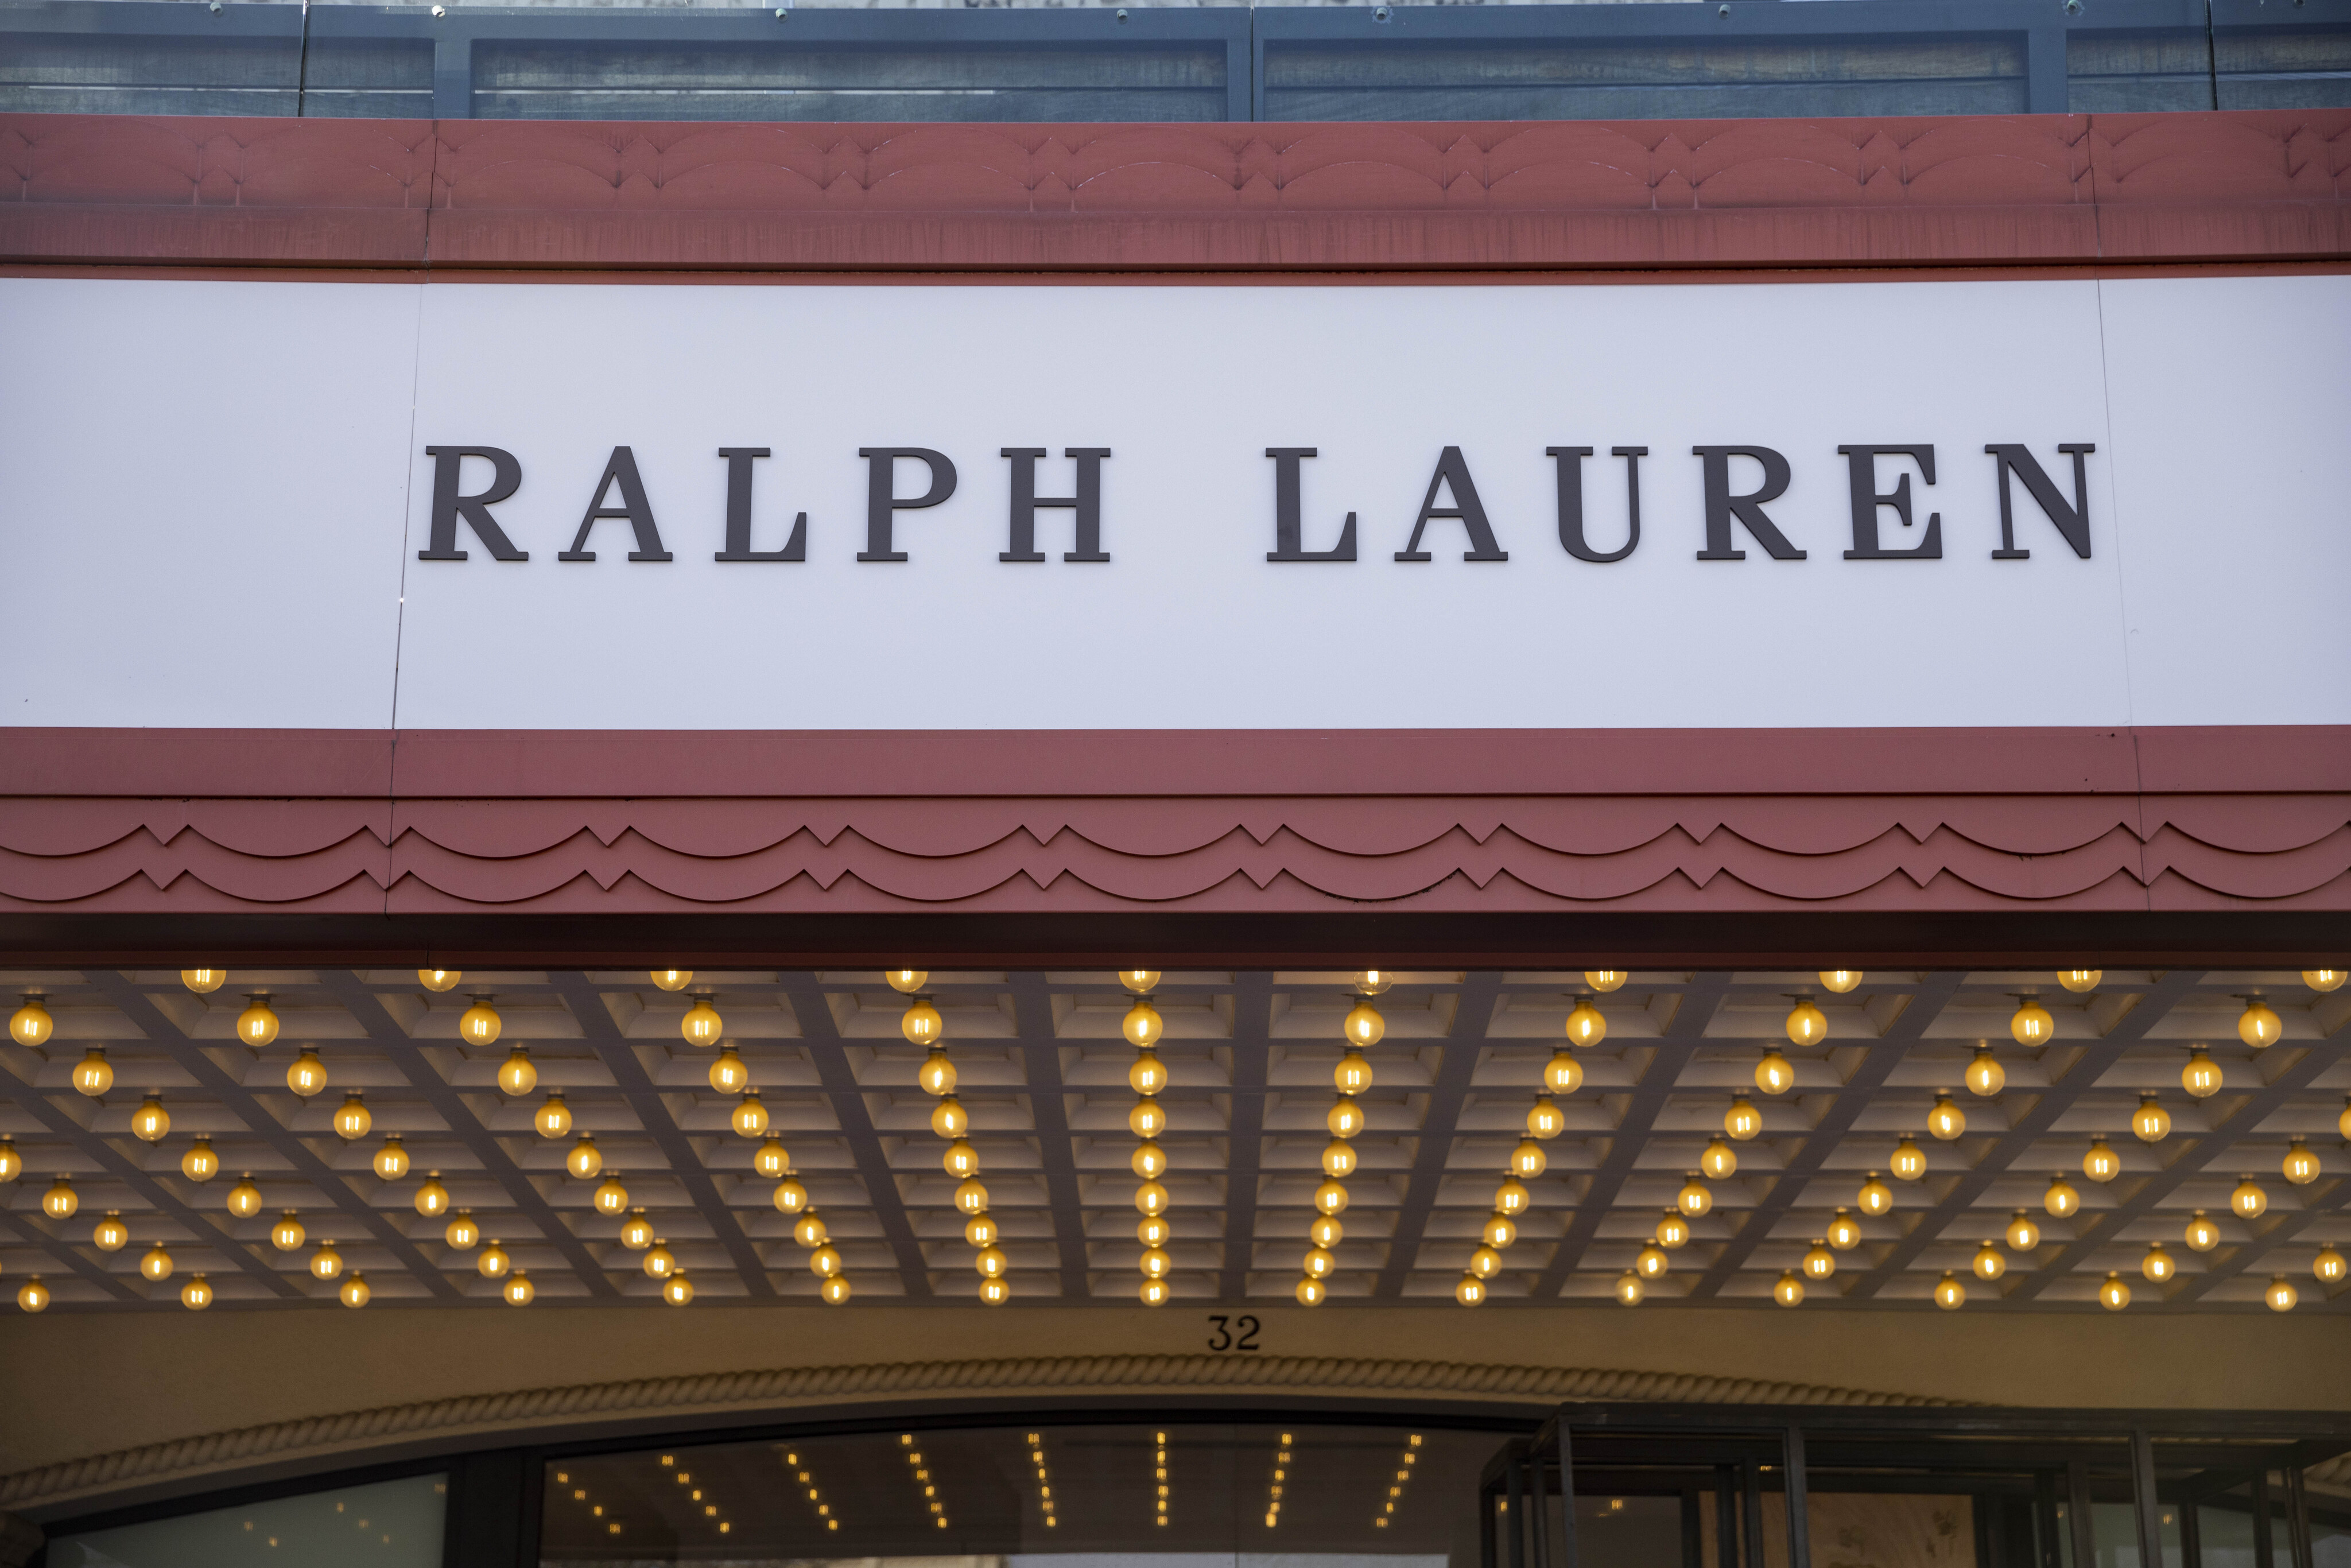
{"points": [[219, 504]]}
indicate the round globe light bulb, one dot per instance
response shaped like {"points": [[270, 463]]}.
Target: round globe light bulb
{"points": [[1363, 1025], [2080, 979], [431, 1198], [1353, 1073], [1331, 1198], [2300, 1167], [2324, 980], [308, 1074], [156, 1263], [811, 1232], [553, 1117], [2023, 1236], [2158, 1265], [1148, 1118], [1909, 1161], [480, 1024], [970, 1196], [519, 1291], [2101, 1162], [1585, 1025], [60, 1201], [1694, 1199], [1339, 1158], [517, 1076], [1528, 1159], [151, 1121], [729, 1074], [993, 1262], [1562, 1074], [1372, 982], [204, 982], [1148, 1075], [960, 1160], [1470, 1292], [199, 1163], [906, 982], [326, 1263], [93, 1074], [1806, 1024], [2328, 1267], [1673, 1229], [1629, 1289], [1320, 1262], [462, 1233], [1985, 1075], [2114, 1295], [996, 1292], [1950, 1293], [1788, 1291], [1991, 1262], [771, 1159], [1844, 1232], [1513, 1197], [702, 1025], [35, 1296], [1141, 982], [2258, 1025], [2150, 1122], [938, 1073], [790, 1197], [439, 980], [981, 1230], [637, 1232], [1143, 1026], [287, 1233], [1947, 1121], [835, 1291], [1346, 1118], [110, 1234], [1650, 1262], [352, 1118], [1311, 1292], [256, 1026], [1718, 1159], [2061, 1198], [1818, 1262], [1742, 1121], [196, 1294], [1151, 1197], [1874, 1198], [1155, 1263], [1545, 1120], [750, 1116], [1149, 1161], [2281, 1296], [1774, 1075], [2201, 1076], [672, 980], [921, 1023], [1840, 980], [245, 1198], [2031, 1024], [584, 1160], [31, 1023], [659, 1262], [1499, 1232], [12, 1163], [355, 1292], [2201, 1235]]}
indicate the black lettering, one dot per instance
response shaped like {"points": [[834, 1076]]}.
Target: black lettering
{"points": [[1722, 505], [1086, 503], [1571, 501], [506, 478], [2073, 522], [738, 512], [1289, 526], [882, 498], [1861, 471], [621, 469], [1453, 474]]}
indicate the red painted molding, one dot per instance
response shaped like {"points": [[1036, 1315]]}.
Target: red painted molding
{"points": [[1221, 823], [475, 195]]}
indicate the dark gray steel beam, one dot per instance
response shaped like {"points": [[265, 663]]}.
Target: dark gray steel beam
{"points": [[1041, 1070], [1245, 1145], [1465, 1042]]}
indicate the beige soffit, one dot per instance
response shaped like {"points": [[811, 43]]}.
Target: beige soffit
{"points": [[735, 1394]]}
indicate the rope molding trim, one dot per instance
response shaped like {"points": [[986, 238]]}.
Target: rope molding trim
{"points": [[721, 1393]]}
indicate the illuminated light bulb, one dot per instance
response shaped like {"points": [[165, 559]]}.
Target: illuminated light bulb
{"points": [[1844, 1232], [728, 1072], [2061, 1198], [1629, 1289], [2023, 1236], [35, 1296], [585, 1159], [2324, 980], [750, 1117], [2343, 1122], [996, 1292], [921, 1023], [1152, 1230], [1149, 1074], [1840, 980], [287, 1233], [1149, 1161], [1694, 1199], [1650, 1262], [1946, 1121], [391, 1161], [553, 1117], [835, 1292], [517, 1076], [1742, 1121], [480, 1024], [1950, 1293], [1155, 1263], [2201, 1076], [156, 1264], [151, 1121], [2080, 979], [31, 1024], [1585, 1026], [431, 1198], [2101, 1162], [1513, 1197], [1346, 1118], [439, 980], [1991, 1262], [2158, 1265], [970, 1196], [1875, 1197], [1151, 1197], [1718, 1159], [519, 1291], [1148, 1119], [2328, 1268], [256, 1026], [906, 982], [961, 1160], [660, 1262], [1470, 1293], [2202, 1235], [326, 1263], [110, 1234], [1545, 1119], [1372, 982], [637, 1234], [1806, 1024], [308, 1074], [702, 1025], [2150, 1122], [355, 1292], [771, 1159], [1986, 1077], [60, 1201], [12, 1163], [1486, 1261], [810, 1231], [1331, 1198], [1562, 1074], [1143, 1026], [1818, 1262], [1339, 1158], [2259, 1026], [2114, 1294], [1774, 1075], [938, 1073], [93, 1075], [199, 1165], [1499, 1232], [204, 982], [2301, 1165], [1141, 982], [1673, 1229], [993, 1262], [245, 1198], [1353, 1073], [1789, 1290], [1528, 1159], [1363, 1025], [352, 1118], [1319, 1262], [2031, 1023], [1311, 1292], [196, 1294], [672, 980], [1909, 1161], [1605, 980], [2281, 1296], [462, 1233]]}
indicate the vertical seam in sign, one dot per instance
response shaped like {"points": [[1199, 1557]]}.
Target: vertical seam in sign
{"points": [[2122, 600], [400, 610]]}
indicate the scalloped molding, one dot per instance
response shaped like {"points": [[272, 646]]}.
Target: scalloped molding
{"points": [[510, 1415]]}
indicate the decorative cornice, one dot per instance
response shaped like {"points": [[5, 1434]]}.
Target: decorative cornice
{"points": [[736, 1394]]}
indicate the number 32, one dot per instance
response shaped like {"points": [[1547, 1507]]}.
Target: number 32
{"points": [[1233, 1333]]}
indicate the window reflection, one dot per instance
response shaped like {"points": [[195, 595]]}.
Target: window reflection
{"points": [[386, 1525]]}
